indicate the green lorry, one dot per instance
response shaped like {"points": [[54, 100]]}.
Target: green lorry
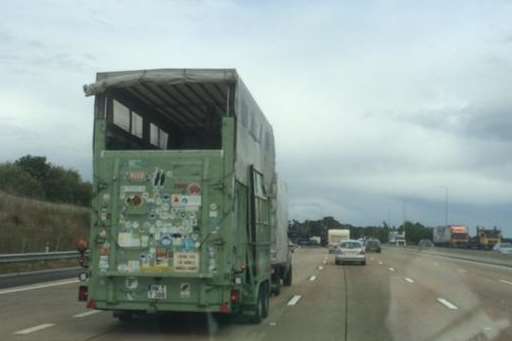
{"points": [[184, 195]]}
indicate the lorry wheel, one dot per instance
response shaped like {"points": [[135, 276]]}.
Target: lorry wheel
{"points": [[277, 288], [123, 316], [259, 311], [287, 281], [266, 302]]}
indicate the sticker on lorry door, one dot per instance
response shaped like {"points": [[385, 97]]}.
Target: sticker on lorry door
{"points": [[186, 261], [184, 201], [157, 292], [185, 290]]}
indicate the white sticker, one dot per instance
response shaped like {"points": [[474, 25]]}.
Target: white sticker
{"points": [[131, 283], [125, 239], [186, 262], [133, 189], [103, 263], [184, 201], [133, 266], [157, 292], [185, 290]]}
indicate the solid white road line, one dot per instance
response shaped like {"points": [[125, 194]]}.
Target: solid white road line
{"points": [[294, 300], [462, 271], [391, 269], [34, 329], [87, 313], [312, 278], [505, 281], [38, 286], [447, 304], [410, 280]]}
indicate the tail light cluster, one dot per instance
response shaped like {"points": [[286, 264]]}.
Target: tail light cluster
{"points": [[83, 293], [235, 296]]}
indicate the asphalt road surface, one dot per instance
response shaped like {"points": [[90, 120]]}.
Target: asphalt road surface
{"points": [[398, 295]]}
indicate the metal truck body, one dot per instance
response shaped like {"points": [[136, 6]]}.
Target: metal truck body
{"points": [[183, 170], [451, 236], [335, 237]]}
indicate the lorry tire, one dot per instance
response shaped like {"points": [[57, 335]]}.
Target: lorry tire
{"points": [[287, 280], [266, 301], [277, 288], [123, 316], [262, 305]]}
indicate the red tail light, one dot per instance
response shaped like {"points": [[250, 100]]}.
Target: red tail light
{"points": [[91, 304], [83, 293], [235, 296], [224, 308]]}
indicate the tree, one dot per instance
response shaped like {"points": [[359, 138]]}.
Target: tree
{"points": [[15, 180], [35, 166]]}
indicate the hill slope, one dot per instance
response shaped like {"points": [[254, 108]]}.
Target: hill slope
{"points": [[28, 225]]}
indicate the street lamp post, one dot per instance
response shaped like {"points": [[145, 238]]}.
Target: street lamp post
{"points": [[445, 205]]}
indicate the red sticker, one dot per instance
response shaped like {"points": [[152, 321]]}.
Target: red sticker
{"points": [[194, 189]]}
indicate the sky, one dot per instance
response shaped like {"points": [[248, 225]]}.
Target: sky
{"points": [[382, 110]]}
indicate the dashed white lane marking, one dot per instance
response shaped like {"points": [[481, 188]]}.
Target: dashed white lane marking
{"points": [[38, 286], [320, 267], [87, 313], [34, 329], [410, 280], [505, 281], [294, 300], [312, 278], [371, 258], [380, 263], [462, 271], [391, 269], [447, 303]]}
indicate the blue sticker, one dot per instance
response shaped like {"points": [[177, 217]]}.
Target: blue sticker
{"points": [[189, 244]]}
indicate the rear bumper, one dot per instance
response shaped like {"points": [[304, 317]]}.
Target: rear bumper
{"points": [[350, 258], [155, 307]]}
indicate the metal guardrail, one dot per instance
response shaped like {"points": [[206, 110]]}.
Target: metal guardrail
{"points": [[37, 256]]}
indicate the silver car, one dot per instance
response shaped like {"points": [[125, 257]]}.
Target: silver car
{"points": [[504, 248], [350, 251]]}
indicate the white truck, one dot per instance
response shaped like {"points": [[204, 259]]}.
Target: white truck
{"points": [[335, 237], [281, 253], [397, 239]]}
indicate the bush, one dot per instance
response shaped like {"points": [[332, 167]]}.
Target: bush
{"points": [[15, 180]]}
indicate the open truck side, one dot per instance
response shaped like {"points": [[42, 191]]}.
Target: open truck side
{"points": [[281, 254], [184, 164]]}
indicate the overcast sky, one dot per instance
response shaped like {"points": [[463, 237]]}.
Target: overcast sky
{"points": [[379, 107]]}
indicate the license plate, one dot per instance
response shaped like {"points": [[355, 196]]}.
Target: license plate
{"points": [[157, 292]]}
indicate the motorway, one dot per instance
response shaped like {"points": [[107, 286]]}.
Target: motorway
{"points": [[400, 294]]}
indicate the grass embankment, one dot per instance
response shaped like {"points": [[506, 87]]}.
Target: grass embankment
{"points": [[28, 225]]}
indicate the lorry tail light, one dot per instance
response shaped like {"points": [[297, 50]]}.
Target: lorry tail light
{"points": [[83, 293], [235, 296], [91, 304], [224, 308]]}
